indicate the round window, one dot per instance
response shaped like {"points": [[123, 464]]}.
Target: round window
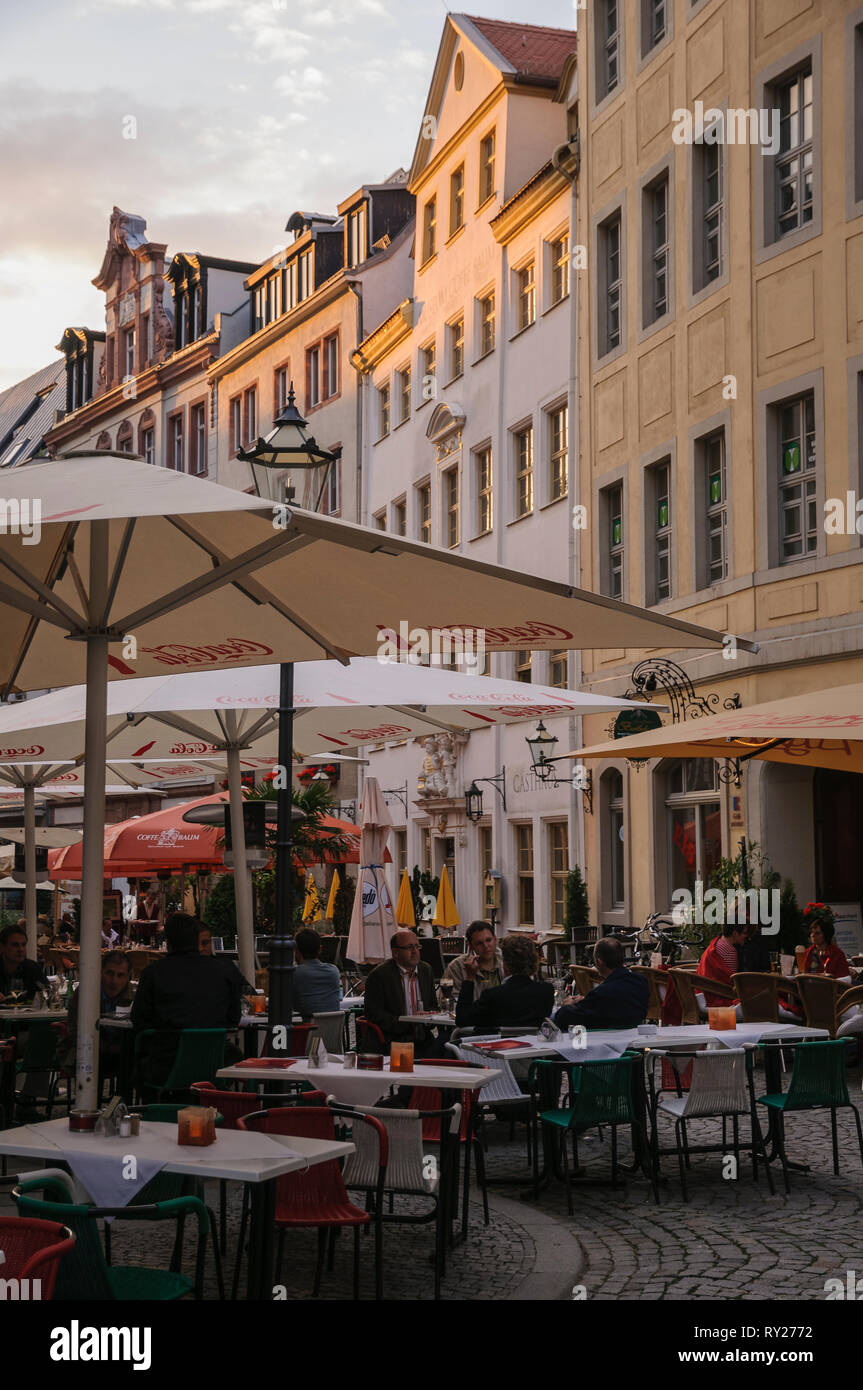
{"points": [[458, 73]]}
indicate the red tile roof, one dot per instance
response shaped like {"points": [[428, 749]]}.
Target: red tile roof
{"points": [[532, 49]]}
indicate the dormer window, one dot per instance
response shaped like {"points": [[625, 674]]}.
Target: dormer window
{"points": [[189, 318], [306, 275], [77, 347], [357, 236]]}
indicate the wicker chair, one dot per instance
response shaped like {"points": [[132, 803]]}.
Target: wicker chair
{"points": [[585, 977], [759, 995], [657, 984], [688, 985], [825, 1001]]}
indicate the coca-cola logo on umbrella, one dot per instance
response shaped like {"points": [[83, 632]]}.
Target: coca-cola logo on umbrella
{"points": [[32, 752]]}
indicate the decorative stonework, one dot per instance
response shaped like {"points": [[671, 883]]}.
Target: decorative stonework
{"points": [[438, 779]]}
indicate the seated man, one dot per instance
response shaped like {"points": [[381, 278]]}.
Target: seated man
{"points": [[184, 990], [15, 967], [402, 985], [518, 1001], [116, 975], [483, 948], [720, 960], [317, 985], [618, 1001], [109, 936]]}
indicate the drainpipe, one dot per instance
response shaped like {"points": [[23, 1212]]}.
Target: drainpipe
{"points": [[566, 159], [356, 289]]}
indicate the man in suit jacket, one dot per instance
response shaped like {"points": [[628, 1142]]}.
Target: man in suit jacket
{"points": [[403, 985], [520, 1001], [619, 1001]]}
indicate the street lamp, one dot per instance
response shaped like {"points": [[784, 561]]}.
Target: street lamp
{"points": [[542, 747], [286, 447], [473, 795]]}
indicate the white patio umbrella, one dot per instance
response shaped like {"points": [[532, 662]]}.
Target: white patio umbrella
{"points": [[175, 571], [372, 919]]}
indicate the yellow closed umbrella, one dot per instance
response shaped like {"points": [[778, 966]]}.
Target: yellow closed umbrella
{"points": [[405, 913], [446, 912], [312, 907], [331, 900]]}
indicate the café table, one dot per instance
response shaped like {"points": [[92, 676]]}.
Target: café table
{"points": [[30, 1015], [431, 1018], [257, 1171]]}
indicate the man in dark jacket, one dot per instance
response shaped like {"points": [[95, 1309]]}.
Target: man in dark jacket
{"points": [[519, 1002], [15, 966], [185, 990], [403, 985], [619, 1001]]}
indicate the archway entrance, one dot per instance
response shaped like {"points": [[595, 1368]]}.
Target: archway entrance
{"points": [[838, 804]]}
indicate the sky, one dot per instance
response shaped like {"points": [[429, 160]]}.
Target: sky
{"points": [[212, 119]]}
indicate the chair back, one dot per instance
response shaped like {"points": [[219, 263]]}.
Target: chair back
{"points": [[818, 1077], [40, 1047], [585, 976], [818, 995], [602, 1091], [330, 1027], [231, 1105], [717, 1083], [657, 983], [369, 1037], [83, 1273], [431, 954], [201, 1052], [505, 1087], [406, 1166], [33, 1249], [430, 1098], [452, 945], [302, 1196], [688, 984], [758, 992]]}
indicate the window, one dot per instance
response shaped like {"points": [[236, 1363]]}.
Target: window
{"points": [[424, 512], [486, 861], [525, 280], [797, 461], [313, 377], [145, 339], [559, 265], [428, 368], [793, 162], [558, 859], [148, 445], [558, 431], [484, 503], [694, 822], [558, 663], [608, 47], [658, 488], [429, 230], [485, 323], [274, 297], [332, 501], [291, 285], [380, 520], [486, 167], [710, 460], [383, 410], [524, 857], [129, 352], [451, 507], [854, 41], [401, 839], [400, 517], [617, 885], [124, 438], [611, 512], [281, 385], [236, 418], [175, 442], [456, 200], [524, 666], [331, 366], [656, 260], [611, 285], [708, 214], [198, 438], [356, 237], [524, 471], [404, 384], [455, 336], [305, 275], [259, 313], [250, 414], [654, 24], [195, 304]]}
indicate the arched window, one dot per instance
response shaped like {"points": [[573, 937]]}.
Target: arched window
{"points": [[124, 438], [147, 436], [694, 820], [104, 441], [613, 832]]}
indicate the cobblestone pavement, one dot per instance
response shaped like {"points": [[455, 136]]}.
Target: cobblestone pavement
{"points": [[732, 1240]]}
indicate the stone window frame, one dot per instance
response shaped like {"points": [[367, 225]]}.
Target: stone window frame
{"points": [[712, 424], [663, 453], [854, 114], [662, 170], [768, 403], [767, 242], [602, 354]]}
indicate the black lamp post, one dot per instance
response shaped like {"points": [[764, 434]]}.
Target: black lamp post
{"points": [[286, 449], [473, 795], [542, 747]]}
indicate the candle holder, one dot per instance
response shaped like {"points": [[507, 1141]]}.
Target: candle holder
{"points": [[722, 1020], [402, 1056], [196, 1125]]}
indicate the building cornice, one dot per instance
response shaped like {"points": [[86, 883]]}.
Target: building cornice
{"points": [[386, 336], [327, 294], [528, 203]]}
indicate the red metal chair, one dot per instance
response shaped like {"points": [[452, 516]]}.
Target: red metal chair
{"points": [[431, 1098], [33, 1249], [368, 1033], [319, 1197]]}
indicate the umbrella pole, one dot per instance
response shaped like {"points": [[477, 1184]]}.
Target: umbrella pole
{"points": [[93, 848], [242, 875], [281, 963], [30, 863]]}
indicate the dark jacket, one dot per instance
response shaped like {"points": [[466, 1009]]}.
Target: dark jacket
{"points": [[620, 1001], [185, 990], [385, 999], [30, 972], [518, 1002]]}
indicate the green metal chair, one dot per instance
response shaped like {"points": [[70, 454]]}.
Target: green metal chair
{"points": [[600, 1093], [200, 1054], [85, 1274], [817, 1083]]}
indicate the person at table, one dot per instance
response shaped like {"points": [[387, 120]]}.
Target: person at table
{"points": [[519, 1001], [205, 946], [619, 1000], [402, 985], [115, 993], [16, 969], [483, 948], [720, 960], [317, 984], [183, 990], [824, 957], [109, 936]]}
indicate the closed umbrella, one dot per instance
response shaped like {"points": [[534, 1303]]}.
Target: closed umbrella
{"points": [[331, 900], [446, 912], [312, 907], [405, 911], [372, 920]]}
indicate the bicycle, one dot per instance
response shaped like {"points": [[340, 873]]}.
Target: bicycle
{"points": [[660, 934]]}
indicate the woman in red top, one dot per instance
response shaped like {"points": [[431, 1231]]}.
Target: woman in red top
{"points": [[824, 957]]}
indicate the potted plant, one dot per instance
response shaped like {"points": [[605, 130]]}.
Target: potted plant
{"points": [[576, 913]]}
